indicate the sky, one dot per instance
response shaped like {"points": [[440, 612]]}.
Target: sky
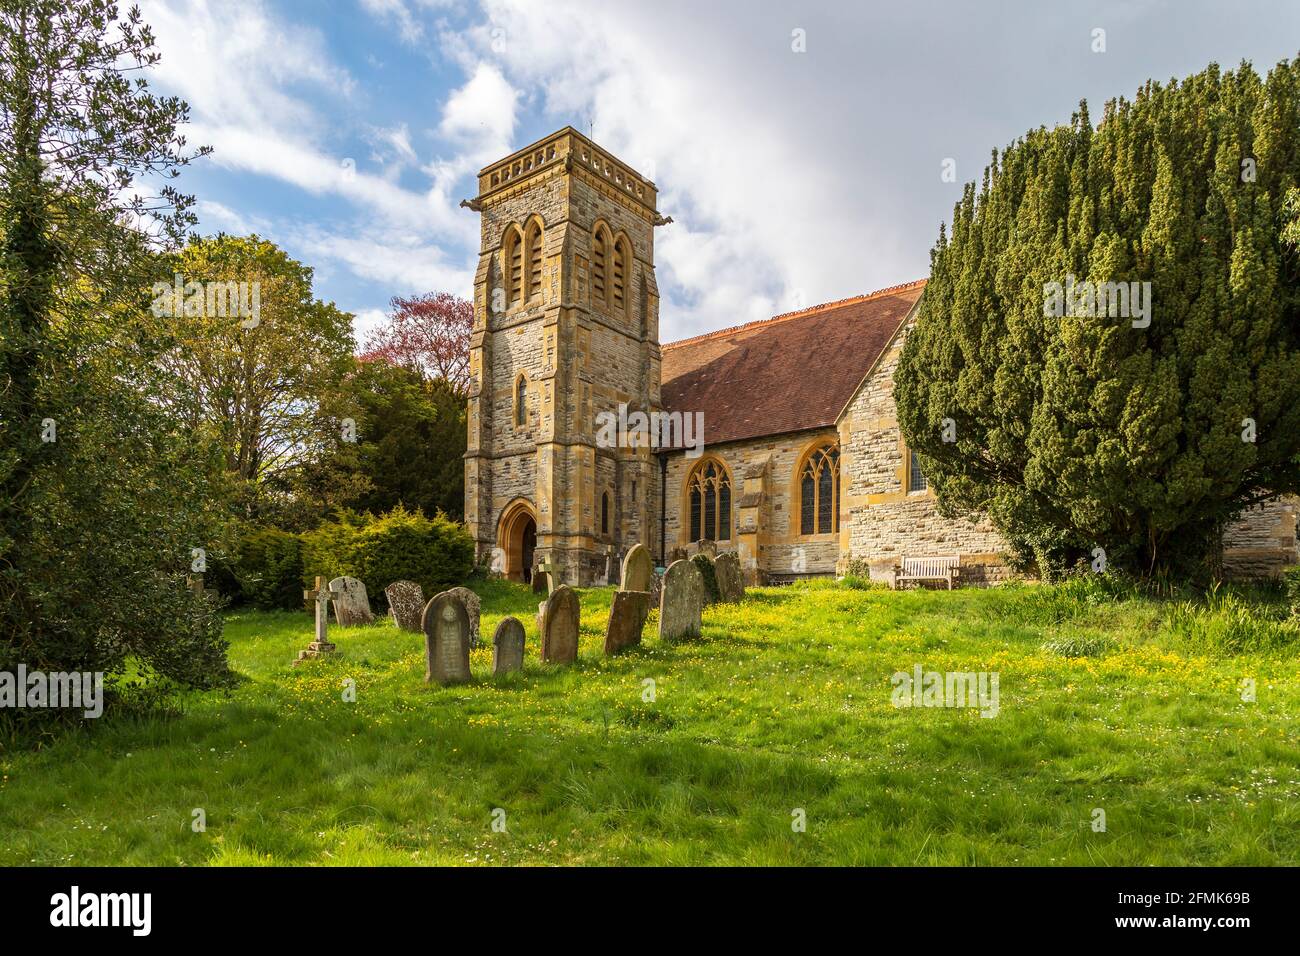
{"points": [[801, 148]]}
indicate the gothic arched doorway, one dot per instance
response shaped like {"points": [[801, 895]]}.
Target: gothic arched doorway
{"points": [[517, 537]]}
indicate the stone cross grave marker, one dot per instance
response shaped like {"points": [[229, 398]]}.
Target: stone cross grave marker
{"points": [[321, 645]]}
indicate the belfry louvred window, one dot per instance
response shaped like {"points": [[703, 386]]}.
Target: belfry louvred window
{"points": [[618, 286], [514, 266], [709, 489], [819, 491], [533, 244], [599, 264]]}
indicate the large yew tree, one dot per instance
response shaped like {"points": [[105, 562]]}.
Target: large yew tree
{"points": [[1075, 433]]}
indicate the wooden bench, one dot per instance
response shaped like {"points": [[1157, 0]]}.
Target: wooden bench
{"points": [[928, 569]]}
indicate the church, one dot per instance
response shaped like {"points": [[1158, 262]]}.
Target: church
{"points": [[799, 465]]}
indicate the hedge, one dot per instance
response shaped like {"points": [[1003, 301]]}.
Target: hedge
{"points": [[437, 553]]}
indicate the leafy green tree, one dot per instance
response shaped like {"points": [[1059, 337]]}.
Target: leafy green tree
{"points": [[104, 505], [1085, 431], [268, 363], [413, 440]]}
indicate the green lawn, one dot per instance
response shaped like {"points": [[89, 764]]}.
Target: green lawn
{"points": [[783, 705]]}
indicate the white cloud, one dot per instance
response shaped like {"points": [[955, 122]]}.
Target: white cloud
{"points": [[762, 217]]}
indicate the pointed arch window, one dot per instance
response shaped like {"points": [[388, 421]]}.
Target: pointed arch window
{"points": [[709, 489], [819, 490], [600, 252], [533, 266], [521, 401], [513, 265], [916, 480], [618, 280]]}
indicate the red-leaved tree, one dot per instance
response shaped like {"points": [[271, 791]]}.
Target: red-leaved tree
{"points": [[428, 332]]}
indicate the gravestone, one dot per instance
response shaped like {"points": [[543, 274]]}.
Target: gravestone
{"points": [[731, 587], [508, 647], [320, 595], [677, 554], [472, 607], [351, 603], [558, 625], [626, 619], [682, 601], [405, 604], [611, 566], [705, 546], [704, 564], [446, 640], [638, 570]]}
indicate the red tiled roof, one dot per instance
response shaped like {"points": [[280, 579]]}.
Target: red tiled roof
{"points": [[784, 374]]}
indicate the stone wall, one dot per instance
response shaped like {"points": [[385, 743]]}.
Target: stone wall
{"points": [[764, 494], [882, 521], [1263, 540], [581, 355]]}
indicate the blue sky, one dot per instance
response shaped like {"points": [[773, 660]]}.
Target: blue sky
{"points": [[348, 131]]}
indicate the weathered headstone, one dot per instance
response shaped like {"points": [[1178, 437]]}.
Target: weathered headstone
{"points": [[731, 587], [626, 619], [351, 603], [508, 647], [558, 621], [638, 569], [405, 604], [705, 546], [473, 607], [320, 595], [682, 601], [704, 564], [446, 640], [611, 566]]}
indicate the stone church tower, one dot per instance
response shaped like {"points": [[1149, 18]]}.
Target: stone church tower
{"points": [[566, 327]]}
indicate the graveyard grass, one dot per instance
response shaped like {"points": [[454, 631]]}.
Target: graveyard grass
{"points": [[783, 704]]}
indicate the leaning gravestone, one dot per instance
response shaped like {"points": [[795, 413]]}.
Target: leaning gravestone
{"points": [[682, 601], [508, 647], [540, 585], [446, 640], [405, 604], [351, 603], [638, 570], [731, 587], [472, 607], [626, 619], [558, 620]]}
